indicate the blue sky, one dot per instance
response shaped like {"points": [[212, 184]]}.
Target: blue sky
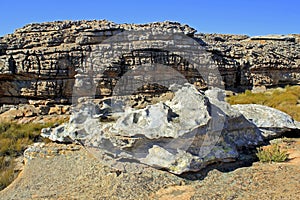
{"points": [[251, 17]]}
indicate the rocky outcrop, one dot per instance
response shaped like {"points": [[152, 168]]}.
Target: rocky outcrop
{"points": [[179, 135], [40, 61], [255, 62], [39, 109]]}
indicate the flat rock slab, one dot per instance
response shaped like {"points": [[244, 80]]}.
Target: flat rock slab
{"points": [[270, 121]]}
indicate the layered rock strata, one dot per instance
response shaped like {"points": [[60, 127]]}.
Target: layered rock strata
{"points": [[40, 61]]}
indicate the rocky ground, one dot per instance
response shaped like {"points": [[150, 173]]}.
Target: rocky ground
{"points": [[61, 171], [38, 64], [72, 171]]}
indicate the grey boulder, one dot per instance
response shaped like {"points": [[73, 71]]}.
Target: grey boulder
{"points": [[270, 121], [186, 133]]}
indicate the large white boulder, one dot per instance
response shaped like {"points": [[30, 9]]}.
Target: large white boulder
{"points": [[186, 133]]}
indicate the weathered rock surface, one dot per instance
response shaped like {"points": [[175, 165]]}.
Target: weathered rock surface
{"points": [[39, 61], [22, 111], [271, 122], [254, 62], [179, 135]]}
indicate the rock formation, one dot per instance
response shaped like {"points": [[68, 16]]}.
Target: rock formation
{"points": [[180, 134], [131, 116], [255, 62], [40, 61]]}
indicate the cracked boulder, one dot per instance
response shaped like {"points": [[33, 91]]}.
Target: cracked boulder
{"points": [[182, 134]]}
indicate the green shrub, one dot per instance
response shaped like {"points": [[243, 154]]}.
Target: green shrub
{"points": [[273, 153], [14, 139]]}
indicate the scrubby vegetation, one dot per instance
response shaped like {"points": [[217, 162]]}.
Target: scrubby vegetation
{"points": [[273, 153], [14, 138], [286, 100], [7, 174]]}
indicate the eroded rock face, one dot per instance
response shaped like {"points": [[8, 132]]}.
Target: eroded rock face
{"points": [[255, 62], [271, 122], [180, 135], [39, 61]]}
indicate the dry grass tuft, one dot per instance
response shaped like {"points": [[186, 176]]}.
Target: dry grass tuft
{"points": [[273, 153]]}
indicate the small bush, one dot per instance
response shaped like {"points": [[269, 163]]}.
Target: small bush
{"points": [[14, 139], [273, 153]]}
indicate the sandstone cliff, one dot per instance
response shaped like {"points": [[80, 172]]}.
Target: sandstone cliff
{"points": [[248, 62], [40, 61]]}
